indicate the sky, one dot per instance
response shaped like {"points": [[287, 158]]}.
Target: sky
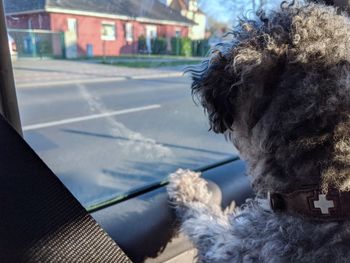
{"points": [[227, 11]]}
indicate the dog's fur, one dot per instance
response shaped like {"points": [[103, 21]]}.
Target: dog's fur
{"points": [[280, 91]]}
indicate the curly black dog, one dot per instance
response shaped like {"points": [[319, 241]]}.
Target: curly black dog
{"points": [[280, 91]]}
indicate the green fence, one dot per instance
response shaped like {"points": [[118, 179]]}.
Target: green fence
{"points": [[38, 43]]}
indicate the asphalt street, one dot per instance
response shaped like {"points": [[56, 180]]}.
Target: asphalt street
{"points": [[104, 139]]}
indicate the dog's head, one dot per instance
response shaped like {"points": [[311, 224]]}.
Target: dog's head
{"points": [[280, 90]]}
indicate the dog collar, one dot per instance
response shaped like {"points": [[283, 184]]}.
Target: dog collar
{"points": [[313, 204]]}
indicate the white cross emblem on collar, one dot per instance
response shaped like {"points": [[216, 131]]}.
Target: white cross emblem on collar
{"points": [[323, 204]]}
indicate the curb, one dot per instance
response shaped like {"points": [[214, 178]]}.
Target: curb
{"points": [[97, 80]]}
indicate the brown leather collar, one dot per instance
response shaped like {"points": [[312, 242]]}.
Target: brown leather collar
{"points": [[313, 204]]}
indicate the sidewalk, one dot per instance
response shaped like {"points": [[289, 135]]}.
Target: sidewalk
{"points": [[38, 73]]}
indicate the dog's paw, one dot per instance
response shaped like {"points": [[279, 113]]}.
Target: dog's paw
{"points": [[186, 186]]}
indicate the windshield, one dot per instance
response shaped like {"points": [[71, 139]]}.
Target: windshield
{"points": [[102, 94]]}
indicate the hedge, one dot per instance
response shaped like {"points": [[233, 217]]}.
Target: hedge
{"points": [[200, 48], [142, 46], [181, 46], [159, 46], [175, 46]]}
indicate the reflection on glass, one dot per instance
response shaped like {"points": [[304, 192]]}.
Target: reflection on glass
{"points": [[101, 92]]}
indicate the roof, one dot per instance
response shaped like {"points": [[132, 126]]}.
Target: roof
{"points": [[149, 9], [180, 5]]}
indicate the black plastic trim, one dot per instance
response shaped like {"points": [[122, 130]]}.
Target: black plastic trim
{"points": [[145, 226], [151, 187]]}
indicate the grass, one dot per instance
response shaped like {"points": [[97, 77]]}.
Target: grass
{"points": [[152, 64], [144, 61], [146, 56]]}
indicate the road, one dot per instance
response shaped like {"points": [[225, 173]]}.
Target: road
{"points": [[105, 138]]}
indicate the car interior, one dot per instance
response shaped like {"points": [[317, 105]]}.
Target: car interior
{"points": [[41, 221]]}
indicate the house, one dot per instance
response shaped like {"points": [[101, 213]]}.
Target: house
{"points": [[190, 9], [99, 27]]}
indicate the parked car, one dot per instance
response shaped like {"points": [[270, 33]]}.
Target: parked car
{"points": [[13, 47]]}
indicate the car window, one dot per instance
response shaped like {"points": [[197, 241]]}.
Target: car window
{"points": [[102, 95]]}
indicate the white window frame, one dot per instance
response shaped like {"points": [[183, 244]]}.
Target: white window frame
{"points": [[151, 33], [108, 37], [72, 25], [129, 32]]}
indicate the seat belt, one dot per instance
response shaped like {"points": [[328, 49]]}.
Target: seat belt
{"points": [[40, 220]]}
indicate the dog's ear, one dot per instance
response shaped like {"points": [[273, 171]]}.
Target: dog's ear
{"points": [[235, 83], [212, 85]]}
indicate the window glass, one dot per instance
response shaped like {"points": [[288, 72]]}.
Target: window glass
{"points": [[72, 25], [111, 112], [108, 31]]}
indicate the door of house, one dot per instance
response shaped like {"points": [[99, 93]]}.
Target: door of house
{"points": [[151, 33], [71, 38]]}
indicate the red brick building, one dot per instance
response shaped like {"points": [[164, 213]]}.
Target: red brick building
{"points": [[99, 27]]}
